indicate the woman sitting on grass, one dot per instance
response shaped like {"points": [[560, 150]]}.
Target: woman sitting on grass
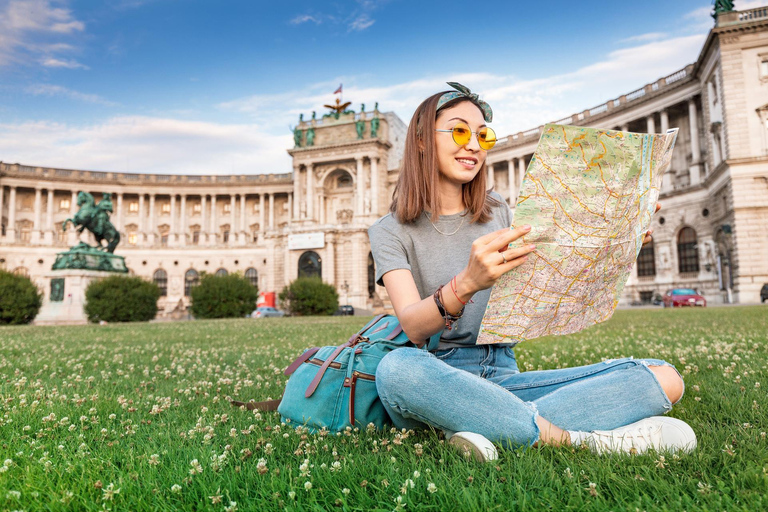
{"points": [[438, 252]]}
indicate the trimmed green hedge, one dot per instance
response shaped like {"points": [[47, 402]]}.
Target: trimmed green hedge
{"points": [[230, 296], [309, 296], [20, 299], [121, 299]]}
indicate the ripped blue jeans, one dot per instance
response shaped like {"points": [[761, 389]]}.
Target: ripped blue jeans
{"points": [[480, 389]]}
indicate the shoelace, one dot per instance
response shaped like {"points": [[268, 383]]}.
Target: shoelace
{"points": [[641, 438]]}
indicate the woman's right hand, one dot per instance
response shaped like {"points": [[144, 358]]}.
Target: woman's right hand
{"points": [[490, 257]]}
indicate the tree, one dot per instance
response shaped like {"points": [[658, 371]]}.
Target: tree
{"points": [[230, 296], [121, 299], [20, 299], [309, 296]]}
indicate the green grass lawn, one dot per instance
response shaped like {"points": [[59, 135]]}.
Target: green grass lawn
{"points": [[135, 417]]}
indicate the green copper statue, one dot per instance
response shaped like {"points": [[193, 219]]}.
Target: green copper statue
{"points": [[722, 6], [95, 218]]}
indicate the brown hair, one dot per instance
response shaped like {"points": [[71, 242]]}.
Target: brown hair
{"points": [[416, 190]]}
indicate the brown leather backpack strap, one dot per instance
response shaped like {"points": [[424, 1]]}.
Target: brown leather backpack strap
{"points": [[397, 330], [319, 376], [268, 405], [300, 360]]}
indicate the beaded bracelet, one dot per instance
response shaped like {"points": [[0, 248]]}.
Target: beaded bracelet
{"points": [[448, 317]]}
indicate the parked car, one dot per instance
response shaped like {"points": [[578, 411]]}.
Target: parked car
{"points": [[764, 293], [679, 297], [266, 311], [345, 310]]}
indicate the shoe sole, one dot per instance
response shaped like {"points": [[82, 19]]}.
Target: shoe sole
{"points": [[472, 451]]}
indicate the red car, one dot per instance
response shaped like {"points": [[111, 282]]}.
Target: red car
{"points": [[679, 297]]}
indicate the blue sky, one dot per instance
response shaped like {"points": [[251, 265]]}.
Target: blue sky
{"points": [[199, 87]]}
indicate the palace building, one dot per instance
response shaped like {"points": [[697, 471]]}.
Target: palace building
{"points": [[712, 233]]}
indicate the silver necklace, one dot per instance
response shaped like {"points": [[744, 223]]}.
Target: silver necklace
{"points": [[463, 216]]}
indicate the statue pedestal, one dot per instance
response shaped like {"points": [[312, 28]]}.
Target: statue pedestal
{"points": [[64, 296]]}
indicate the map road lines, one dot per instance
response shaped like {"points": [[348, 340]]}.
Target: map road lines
{"points": [[589, 196]]}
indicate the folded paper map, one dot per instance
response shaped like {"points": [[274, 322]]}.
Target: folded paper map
{"points": [[589, 196]]}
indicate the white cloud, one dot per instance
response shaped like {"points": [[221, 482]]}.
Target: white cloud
{"points": [[51, 62], [57, 90], [147, 144], [298, 20], [34, 28], [650, 36], [361, 23]]}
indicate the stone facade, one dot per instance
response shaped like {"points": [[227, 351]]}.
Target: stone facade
{"points": [[712, 233]]}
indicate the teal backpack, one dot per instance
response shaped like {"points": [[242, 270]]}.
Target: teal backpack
{"points": [[335, 387]]}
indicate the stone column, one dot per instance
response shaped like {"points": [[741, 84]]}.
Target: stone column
{"points": [[520, 171], [183, 221], [321, 208], [272, 210], [360, 183], [71, 231], [694, 171], [2, 204], [10, 233], [625, 127], [142, 224], [664, 120], [296, 193], [48, 236], [232, 207], [329, 267], [310, 192], [172, 237], [152, 222], [651, 124], [290, 204], [262, 212], [36, 227], [512, 183], [119, 212], [375, 186], [214, 228], [491, 176], [203, 220], [243, 238]]}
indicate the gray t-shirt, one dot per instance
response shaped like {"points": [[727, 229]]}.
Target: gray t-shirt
{"points": [[434, 258]]}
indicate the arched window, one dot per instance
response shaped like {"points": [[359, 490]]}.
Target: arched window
{"points": [[371, 276], [222, 272], [310, 265], [191, 279], [252, 275], [646, 261], [687, 251], [160, 277]]}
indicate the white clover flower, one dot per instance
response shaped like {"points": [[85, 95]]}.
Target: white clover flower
{"points": [[307, 486], [335, 466], [345, 491], [416, 474], [176, 488], [432, 488], [154, 460], [109, 492], [292, 495], [13, 495]]}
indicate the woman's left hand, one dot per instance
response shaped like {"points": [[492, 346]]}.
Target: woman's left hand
{"points": [[648, 238]]}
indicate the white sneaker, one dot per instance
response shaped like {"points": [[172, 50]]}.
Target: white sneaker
{"points": [[474, 446], [655, 433]]}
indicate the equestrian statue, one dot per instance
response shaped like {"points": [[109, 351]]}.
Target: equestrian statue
{"points": [[95, 218]]}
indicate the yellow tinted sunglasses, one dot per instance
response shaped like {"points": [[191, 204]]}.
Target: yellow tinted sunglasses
{"points": [[462, 134]]}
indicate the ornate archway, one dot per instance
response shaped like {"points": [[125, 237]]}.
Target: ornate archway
{"points": [[310, 265]]}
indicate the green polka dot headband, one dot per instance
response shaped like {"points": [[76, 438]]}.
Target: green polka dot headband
{"points": [[464, 92]]}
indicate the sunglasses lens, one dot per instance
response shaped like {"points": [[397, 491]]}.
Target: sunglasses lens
{"points": [[486, 137], [461, 134]]}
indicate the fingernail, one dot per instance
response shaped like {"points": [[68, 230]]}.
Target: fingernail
{"points": [[531, 247], [526, 228]]}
